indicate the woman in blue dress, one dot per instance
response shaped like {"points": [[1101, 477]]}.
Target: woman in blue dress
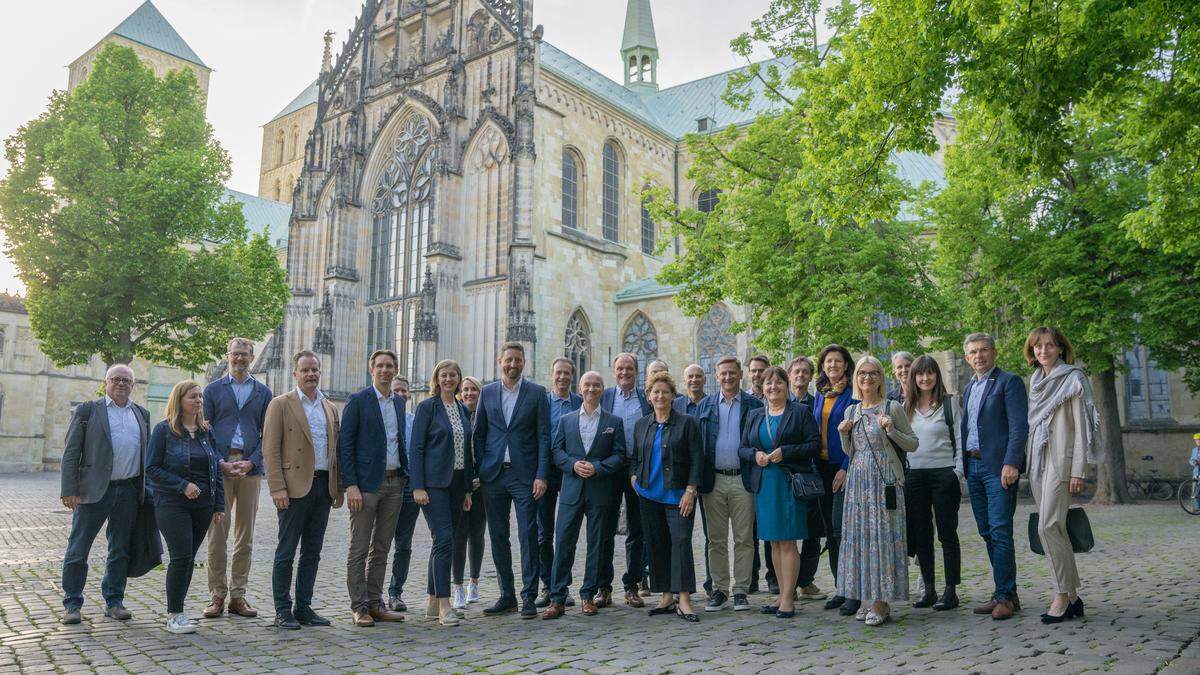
{"points": [[779, 440]]}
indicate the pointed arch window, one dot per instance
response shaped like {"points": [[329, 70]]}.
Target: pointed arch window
{"points": [[577, 343], [570, 190], [707, 200], [714, 340], [649, 237], [641, 339], [612, 190]]}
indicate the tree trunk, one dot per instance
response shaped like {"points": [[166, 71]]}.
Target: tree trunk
{"points": [[1111, 484]]}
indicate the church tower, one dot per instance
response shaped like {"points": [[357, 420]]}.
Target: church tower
{"points": [[639, 48]]}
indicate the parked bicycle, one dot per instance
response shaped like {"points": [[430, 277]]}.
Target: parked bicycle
{"points": [[1189, 496], [1152, 486]]}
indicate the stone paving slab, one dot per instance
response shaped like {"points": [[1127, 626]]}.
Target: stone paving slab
{"points": [[1140, 589]]}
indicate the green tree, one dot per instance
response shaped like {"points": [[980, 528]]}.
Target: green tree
{"points": [[114, 215]]}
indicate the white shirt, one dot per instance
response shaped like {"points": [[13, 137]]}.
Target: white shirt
{"points": [[588, 426], [126, 436], [392, 426], [508, 403], [318, 427]]}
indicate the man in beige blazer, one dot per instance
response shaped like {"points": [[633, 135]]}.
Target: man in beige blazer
{"points": [[300, 458]]}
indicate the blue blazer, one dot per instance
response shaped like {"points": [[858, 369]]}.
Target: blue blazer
{"points": [[798, 437], [168, 465], [362, 441], [431, 447], [610, 395], [607, 454], [844, 400], [1003, 420], [221, 411], [527, 436], [709, 417]]}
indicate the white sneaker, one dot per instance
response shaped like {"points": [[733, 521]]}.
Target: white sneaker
{"points": [[861, 614], [459, 601], [180, 623], [472, 591]]}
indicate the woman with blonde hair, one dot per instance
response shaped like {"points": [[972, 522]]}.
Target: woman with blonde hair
{"points": [[442, 469], [873, 566], [189, 495], [473, 526]]}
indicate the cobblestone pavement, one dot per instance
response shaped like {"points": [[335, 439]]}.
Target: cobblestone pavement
{"points": [[1141, 592]]}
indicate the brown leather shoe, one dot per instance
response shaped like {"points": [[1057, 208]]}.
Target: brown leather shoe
{"points": [[1003, 610], [633, 599], [215, 608], [604, 599], [589, 608], [555, 610], [985, 608], [240, 607], [363, 619], [380, 613]]}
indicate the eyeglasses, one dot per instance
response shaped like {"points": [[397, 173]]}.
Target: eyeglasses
{"points": [[869, 374], [120, 380]]}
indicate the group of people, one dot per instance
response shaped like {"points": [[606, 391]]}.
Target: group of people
{"points": [[873, 473]]}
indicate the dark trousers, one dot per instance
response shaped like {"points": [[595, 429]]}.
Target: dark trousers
{"points": [[704, 530], [672, 567], [994, 506], [469, 538], [934, 495], [830, 520], [766, 556], [402, 550], [443, 514], [119, 507], [502, 495], [183, 527], [301, 524], [545, 539], [635, 547], [570, 517]]}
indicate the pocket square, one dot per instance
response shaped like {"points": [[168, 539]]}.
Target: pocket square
{"points": [[609, 430]]}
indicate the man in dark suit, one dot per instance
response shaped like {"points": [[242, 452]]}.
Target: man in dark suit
{"points": [[628, 403], [994, 425], [512, 454], [562, 401], [589, 450], [373, 456], [406, 522], [235, 407], [102, 480], [800, 375]]}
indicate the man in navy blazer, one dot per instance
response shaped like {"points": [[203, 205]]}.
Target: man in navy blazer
{"points": [[628, 403], [994, 425], [512, 454], [562, 401], [373, 457], [589, 450], [235, 407]]}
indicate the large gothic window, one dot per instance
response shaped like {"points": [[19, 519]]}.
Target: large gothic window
{"points": [[714, 340], [570, 190], [640, 338], [707, 201], [612, 190], [577, 343], [401, 216], [1147, 389]]}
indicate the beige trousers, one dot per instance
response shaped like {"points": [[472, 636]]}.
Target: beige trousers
{"points": [[371, 532], [1053, 498], [241, 506], [730, 506]]}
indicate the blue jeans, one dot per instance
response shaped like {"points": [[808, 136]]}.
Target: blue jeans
{"points": [[994, 506], [119, 506]]}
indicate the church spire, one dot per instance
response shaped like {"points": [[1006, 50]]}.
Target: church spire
{"points": [[639, 48], [327, 56]]}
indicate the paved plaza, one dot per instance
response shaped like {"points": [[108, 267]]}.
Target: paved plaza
{"points": [[1142, 589]]}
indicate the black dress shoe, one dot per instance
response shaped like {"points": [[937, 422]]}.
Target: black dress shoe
{"points": [[949, 600], [286, 620], [529, 609], [849, 607], [772, 588], [503, 606], [926, 600], [753, 588], [655, 611], [311, 618], [835, 602], [690, 618]]}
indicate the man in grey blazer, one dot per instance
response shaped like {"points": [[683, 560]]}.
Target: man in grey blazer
{"points": [[102, 480]]}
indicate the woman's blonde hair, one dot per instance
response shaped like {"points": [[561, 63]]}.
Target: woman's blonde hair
{"points": [[175, 407], [662, 377], [435, 389], [881, 383]]}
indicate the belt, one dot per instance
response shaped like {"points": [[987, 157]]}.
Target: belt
{"points": [[319, 473], [974, 454], [505, 465], [729, 472], [391, 473], [131, 479]]}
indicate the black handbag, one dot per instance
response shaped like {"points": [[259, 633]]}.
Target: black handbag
{"points": [[807, 486], [1079, 529]]}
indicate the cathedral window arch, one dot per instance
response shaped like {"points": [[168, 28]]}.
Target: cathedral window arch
{"points": [[572, 189], [640, 339], [706, 200], [612, 190], [649, 234], [714, 340], [577, 342], [295, 141], [278, 191], [279, 146]]}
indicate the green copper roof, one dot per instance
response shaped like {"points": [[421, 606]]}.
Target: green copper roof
{"points": [[644, 289], [149, 27], [264, 214], [305, 98], [639, 26]]}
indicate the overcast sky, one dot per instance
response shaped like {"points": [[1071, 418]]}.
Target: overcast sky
{"points": [[264, 52]]}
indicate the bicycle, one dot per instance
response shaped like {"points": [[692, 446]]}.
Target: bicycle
{"points": [[1189, 496], [1150, 487]]}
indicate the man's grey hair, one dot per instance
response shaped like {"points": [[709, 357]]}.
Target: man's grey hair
{"points": [[592, 373], [907, 356], [119, 366], [697, 366], [657, 362], [979, 337]]}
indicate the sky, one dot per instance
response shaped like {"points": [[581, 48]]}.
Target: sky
{"points": [[264, 52]]}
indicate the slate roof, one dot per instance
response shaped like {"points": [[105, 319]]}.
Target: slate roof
{"points": [[264, 214], [305, 98], [149, 27]]}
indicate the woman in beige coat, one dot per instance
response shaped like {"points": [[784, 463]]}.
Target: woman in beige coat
{"points": [[1062, 431]]}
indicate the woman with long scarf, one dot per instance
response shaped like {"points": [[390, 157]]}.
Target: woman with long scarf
{"points": [[1062, 433]]}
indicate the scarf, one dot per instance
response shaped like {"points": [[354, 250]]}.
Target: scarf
{"points": [[1046, 394]]}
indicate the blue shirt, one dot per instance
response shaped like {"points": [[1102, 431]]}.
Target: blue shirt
{"points": [[558, 408], [657, 490], [729, 436], [767, 430], [241, 392], [973, 405], [688, 405], [126, 435], [629, 409]]}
